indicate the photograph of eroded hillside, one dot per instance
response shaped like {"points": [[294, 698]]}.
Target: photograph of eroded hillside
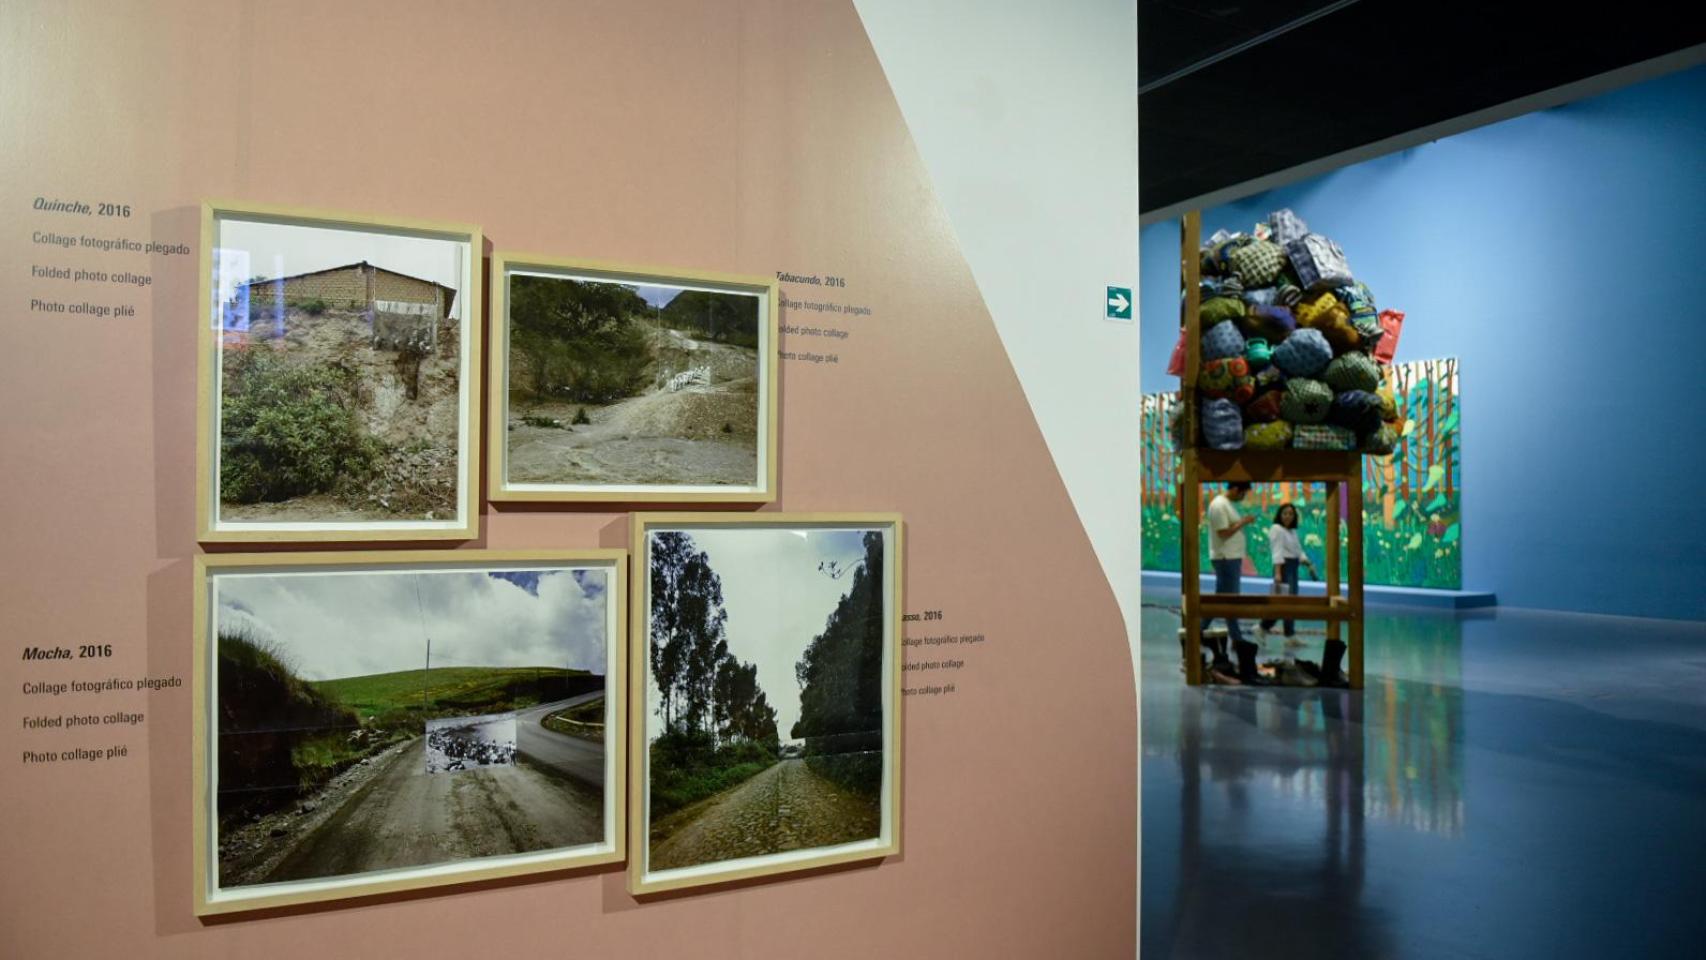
{"points": [[340, 375], [371, 720], [625, 384], [765, 709]]}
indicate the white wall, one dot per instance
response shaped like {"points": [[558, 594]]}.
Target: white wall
{"points": [[1025, 113]]}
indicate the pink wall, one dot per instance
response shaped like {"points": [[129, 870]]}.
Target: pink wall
{"points": [[735, 136]]}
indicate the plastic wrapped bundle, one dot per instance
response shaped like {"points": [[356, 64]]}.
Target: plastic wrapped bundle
{"points": [[1222, 424], [1352, 371], [1303, 354], [1322, 436], [1257, 263], [1227, 377], [1306, 401], [1222, 340], [1267, 436], [1357, 410], [1319, 263], [1287, 226]]}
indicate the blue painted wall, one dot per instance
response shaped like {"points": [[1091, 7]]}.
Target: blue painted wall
{"points": [[1562, 256]]}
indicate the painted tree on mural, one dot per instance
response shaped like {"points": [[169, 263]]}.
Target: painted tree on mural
{"points": [[1412, 522]]}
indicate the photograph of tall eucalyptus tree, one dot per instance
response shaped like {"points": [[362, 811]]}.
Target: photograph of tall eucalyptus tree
{"points": [[769, 669]]}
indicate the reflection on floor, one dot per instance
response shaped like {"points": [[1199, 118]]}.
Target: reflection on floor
{"points": [[1510, 784]]}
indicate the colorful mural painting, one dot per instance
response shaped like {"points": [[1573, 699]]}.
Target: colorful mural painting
{"points": [[1411, 519]]}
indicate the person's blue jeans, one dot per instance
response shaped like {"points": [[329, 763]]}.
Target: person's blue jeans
{"points": [[1288, 576], [1228, 578]]}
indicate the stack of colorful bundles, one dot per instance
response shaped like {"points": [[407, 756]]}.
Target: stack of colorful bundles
{"points": [[1290, 344]]}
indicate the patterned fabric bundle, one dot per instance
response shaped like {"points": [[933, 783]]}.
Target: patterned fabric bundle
{"points": [[1368, 331], [1265, 407], [1352, 371], [1269, 378], [1358, 410], [1303, 354], [1267, 436], [1286, 226], [1227, 377], [1319, 263], [1388, 405], [1212, 287], [1222, 425], [1320, 310], [1365, 316], [1322, 436], [1359, 300], [1222, 340], [1271, 323], [1257, 263], [1214, 256], [1217, 309], [1381, 442], [1306, 401], [1325, 313]]}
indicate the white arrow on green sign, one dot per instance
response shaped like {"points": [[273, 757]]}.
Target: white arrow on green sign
{"points": [[1119, 303]]}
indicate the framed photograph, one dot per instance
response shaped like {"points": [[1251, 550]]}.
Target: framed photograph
{"points": [[765, 677], [374, 722], [631, 385], [338, 377]]}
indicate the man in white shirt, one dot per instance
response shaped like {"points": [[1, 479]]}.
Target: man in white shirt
{"points": [[1226, 552]]}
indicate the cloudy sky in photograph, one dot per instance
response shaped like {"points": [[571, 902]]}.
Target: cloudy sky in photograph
{"points": [[777, 600], [331, 625], [247, 249]]}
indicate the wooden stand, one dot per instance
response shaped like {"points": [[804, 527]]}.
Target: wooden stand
{"points": [[1334, 468]]}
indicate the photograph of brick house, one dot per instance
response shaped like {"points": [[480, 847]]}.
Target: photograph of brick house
{"points": [[397, 304], [342, 393]]}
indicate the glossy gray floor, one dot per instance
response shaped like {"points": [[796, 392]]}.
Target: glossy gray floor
{"points": [[1511, 784]]}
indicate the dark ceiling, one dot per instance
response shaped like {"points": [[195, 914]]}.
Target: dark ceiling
{"points": [[1356, 73]]}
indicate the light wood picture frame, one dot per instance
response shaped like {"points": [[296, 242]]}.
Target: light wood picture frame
{"points": [[763, 647], [338, 377], [631, 384], [374, 722]]}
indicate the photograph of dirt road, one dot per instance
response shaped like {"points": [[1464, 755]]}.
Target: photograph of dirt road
{"points": [[377, 719], [341, 389], [631, 386], [769, 666]]}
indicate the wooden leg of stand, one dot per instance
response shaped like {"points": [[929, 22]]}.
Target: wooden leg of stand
{"points": [[1353, 512], [1190, 565], [1332, 548], [1190, 494]]}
